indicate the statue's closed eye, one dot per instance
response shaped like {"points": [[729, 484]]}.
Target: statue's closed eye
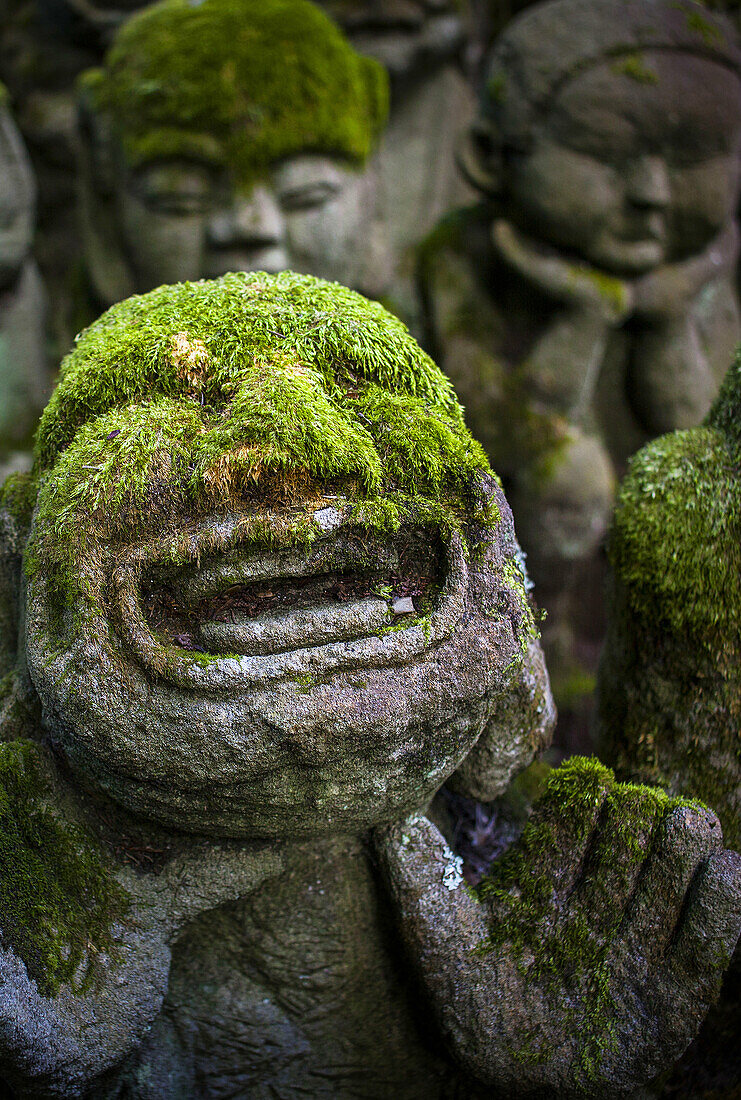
{"points": [[309, 195], [175, 189]]}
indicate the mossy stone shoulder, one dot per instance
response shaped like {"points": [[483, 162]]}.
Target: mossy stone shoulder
{"points": [[675, 542], [670, 694], [241, 83], [57, 898]]}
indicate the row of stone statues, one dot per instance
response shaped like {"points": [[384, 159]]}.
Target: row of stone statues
{"points": [[230, 135], [260, 587], [261, 597]]}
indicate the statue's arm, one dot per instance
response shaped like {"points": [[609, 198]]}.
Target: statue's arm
{"points": [[585, 963], [85, 942]]}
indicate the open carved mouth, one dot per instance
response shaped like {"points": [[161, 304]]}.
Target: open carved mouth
{"points": [[255, 605], [351, 598]]}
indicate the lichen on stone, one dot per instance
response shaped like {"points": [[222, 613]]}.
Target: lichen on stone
{"points": [[238, 83], [58, 901], [634, 66]]}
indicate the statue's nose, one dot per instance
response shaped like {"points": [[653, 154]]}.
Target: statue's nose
{"points": [[648, 183], [252, 219]]}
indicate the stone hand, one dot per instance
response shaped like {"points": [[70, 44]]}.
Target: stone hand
{"points": [[563, 365], [78, 990], [577, 285], [585, 962]]}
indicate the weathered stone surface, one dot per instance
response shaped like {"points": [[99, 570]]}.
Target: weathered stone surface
{"points": [[669, 690], [204, 886], [23, 375], [589, 301]]}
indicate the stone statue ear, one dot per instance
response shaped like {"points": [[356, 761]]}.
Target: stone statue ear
{"points": [[108, 270], [479, 157]]}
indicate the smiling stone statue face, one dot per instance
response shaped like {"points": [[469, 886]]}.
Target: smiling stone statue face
{"points": [[272, 585], [229, 136], [620, 176]]}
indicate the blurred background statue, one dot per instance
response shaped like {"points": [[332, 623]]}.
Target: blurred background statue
{"points": [[588, 301], [425, 46], [23, 379], [230, 136], [670, 685]]}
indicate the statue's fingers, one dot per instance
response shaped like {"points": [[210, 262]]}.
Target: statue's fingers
{"points": [[686, 838], [567, 820], [615, 859], [437, 912], [679, 987], [710, 926]]}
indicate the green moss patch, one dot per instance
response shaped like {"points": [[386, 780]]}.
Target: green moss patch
{"points": [[675, 543], [197, 396], [634, 65], [18, 497], [57, 900], [239, 83], [562, 935]]}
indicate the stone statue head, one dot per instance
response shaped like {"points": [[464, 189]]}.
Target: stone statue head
{"points": [[230, 135], [613, 131], [272, 586], [17, 197], [409, 37]]}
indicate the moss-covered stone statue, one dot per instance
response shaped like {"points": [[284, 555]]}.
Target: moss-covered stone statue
{"points": [[423, 44], [588, 302], [23, 381], [261, 598], [670, 678], [231, 135]]}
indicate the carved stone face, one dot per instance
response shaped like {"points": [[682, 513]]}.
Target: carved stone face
{"points": [[280, 594], [636, 162], [324, 713], [17, 200], [181, 220], [255, 154], [405, 35]]}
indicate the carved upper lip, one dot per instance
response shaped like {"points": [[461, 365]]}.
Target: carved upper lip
{"points": [[305, 628]]}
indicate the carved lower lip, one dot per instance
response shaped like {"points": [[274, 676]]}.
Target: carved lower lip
{"points": [[296, 643]]}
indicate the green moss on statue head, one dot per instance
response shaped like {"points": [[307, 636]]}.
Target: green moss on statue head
{"points": [[675, 545], [192, 398], [239, 83]]}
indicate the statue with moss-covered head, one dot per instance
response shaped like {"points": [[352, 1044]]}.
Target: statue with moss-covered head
{"points": [[230, 135], [23, 382], [588, 302], [261, 598], [670, 678]]}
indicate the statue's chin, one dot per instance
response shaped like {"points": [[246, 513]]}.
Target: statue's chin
{"points": [[265, 693]]}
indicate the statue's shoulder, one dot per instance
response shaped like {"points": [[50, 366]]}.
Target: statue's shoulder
{"points": [[674, 543], [455, 270]]}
